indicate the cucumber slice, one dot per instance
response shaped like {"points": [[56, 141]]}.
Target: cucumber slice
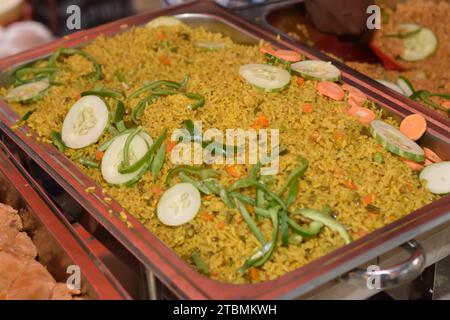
{"points": [[419, 45], [437, 177], [179, 205], [27, 92], [265, 77], [396, 142], [85, 122], [406, 86], [316, 70], [391, 86], [405, 30], [164, 21], [210, 45], [113, 158]]}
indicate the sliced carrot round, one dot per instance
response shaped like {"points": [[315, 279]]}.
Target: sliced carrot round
{"points": [[413, 165], [364, 115], [288, 55], [413, 126], [331, 90], [267, 50], [431, 155]]}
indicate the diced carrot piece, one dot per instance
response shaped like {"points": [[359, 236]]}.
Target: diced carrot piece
{"points": [[446, 104], [350, 185], [300, 81], [221, 225], [359, 234], [431, 155], [367, 199], [413, 126], [263, 121], [413, 165], [233, 171], [161, 36], [99, 155], [357, 98], [330, 90], [238, 218], [214, 273], [156, 190], [164, 59], [205, 216], [254, 274], [308, 108], [288, 55], [171, 145], [364, 115], [250, 209]]}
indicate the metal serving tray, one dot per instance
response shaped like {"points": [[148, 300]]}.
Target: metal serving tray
{"points": [[57, 247], [282, 17], [164, 268]]}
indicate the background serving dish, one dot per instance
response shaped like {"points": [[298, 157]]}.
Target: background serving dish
{"points": [[57, 248], [159, 260]]}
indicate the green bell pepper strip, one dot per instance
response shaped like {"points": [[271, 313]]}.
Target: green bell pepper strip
{"points": [[126, 149], [57, 141], [200, 100], [215, 187], [273, 243], [255, 257], [88, 163], [284, 229], [146, 158], [137, 111], [204, 173], [199, 263], [245, 183], [197, 184], [155, 85], [119, 112], [96, 75], [184, 83], [104, 93], [25, 117], [243, 198], [296, 174], [250, 222], [327, 221], [20, 73], [158, 161], [424, 96], [314, 227], [121, 127]]}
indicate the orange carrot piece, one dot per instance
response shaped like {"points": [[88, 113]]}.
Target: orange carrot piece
{"points": [[233, 171], [221, 225], [350, 185], [364, 115], [205, 216], [267, 50], [263, 121], [330, 90], [288, 55], [156, 190], [171, 145], [161, 36], [413, 126], [254, 274], [367, 199], [164, 59], [300, 82], [446, 104], [413, 165], [357, 98], [99, 155], [431, 155], [308, 108]]}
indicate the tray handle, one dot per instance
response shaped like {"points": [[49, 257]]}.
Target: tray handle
{"points": [[392, 276]]}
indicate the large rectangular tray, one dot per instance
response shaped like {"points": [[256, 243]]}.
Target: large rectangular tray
{"points": [[161, 261]]}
